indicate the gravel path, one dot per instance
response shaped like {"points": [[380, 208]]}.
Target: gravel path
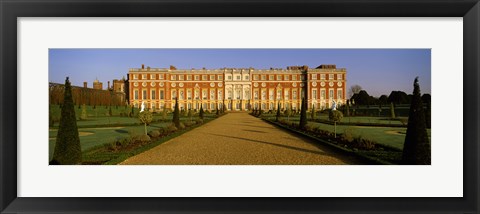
{"points": [[240, 139]]}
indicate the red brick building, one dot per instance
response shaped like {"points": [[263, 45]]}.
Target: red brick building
{"points": [[237, 88]]}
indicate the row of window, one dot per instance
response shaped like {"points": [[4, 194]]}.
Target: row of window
{"points": [[238, 95], [330, 76], [271, 94], [279, 77], [179, 77], [182, 106], [196, 95], [230, 106], [237, 77], [331, 94]]}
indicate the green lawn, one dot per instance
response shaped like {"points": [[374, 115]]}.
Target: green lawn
{"points": [[389, 136], [95, 136]]}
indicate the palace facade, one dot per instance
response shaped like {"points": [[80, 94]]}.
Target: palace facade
{"points": [[237, 88]]}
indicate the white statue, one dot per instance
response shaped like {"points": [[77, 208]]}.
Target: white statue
{"points": [[334, 105], [142, 106]]}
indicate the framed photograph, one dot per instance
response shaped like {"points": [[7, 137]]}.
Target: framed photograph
{"points": [[227, 106]]}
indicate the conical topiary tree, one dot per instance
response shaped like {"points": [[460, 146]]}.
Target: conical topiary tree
{"points": [[67, 148], [176, 115], [303, 114], [287, 113], [416, 149], [224, 108], [348, 108], [200, 114], [314, 115], [278, 112]]}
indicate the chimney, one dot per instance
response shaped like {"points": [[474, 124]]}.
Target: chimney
{"points": [[85, 84], [143, 66], [108, 82]]}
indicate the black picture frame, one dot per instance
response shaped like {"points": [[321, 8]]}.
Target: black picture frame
{"points": [[10, 10]]}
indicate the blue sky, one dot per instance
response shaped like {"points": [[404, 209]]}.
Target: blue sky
{"points": [[378, 71]]}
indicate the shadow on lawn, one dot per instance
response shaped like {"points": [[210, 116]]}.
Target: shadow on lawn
{"points": [[121, 131]]}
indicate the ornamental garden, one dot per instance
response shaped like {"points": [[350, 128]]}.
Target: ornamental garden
{"points": [[392, 129]]}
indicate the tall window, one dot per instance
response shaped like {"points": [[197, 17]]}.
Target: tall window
{"points": [[287, 77], [153, 94], [322, 94], [212, 94], [182, 96], [314, 94], [339, 94], [330, 94], [287, 94], [144, 93], [204, 94], [264, 95], [220, 94], [238, 94], [255, 95], [294, 94], [135, 94], [279, 94], [174, 94], [162, 95], [189, 95], [271, 94]]}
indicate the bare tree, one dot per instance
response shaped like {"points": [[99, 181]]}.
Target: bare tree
{"points": [[354, 89]]}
